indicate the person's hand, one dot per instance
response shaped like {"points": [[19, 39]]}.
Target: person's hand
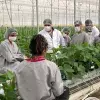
{"points": [[25, 57]]}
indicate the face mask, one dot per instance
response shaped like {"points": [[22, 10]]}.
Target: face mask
{"points": [[47, 28], [12, 38], [88, 28], [77, 29], [64, 35]]}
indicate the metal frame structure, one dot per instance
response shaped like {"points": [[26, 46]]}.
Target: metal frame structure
{"points": [[61, 12]]}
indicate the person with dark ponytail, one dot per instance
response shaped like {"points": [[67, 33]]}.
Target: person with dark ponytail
{"points": [[54, 37], [38, 78]]}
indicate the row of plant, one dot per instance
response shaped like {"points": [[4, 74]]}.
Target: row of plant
{"points": [[73, 61], [8, 86], [24, 36], [77, 55], [76, 60]]}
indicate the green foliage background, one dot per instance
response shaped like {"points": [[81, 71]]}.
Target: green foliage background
{"points": [[73, 61]]}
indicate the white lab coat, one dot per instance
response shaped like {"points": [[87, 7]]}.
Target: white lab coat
{"points": [[95, 31], [92, 35], [9, 55], [39, 80], [55, 41], [97, 39]]}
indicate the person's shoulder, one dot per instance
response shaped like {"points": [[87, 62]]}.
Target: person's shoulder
{"points": [[41, 32], [74, 35], [15, 43], [95, 28], [4, 43], [21, 67], [56, 30], [84, 33], [51, 64]]}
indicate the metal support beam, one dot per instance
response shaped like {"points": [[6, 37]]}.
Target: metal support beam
{"points": [[58, 14], [51, 9], [11, 12], [66, 12], [37, 16], [3, 12], [89, 9], [74, 10], [32, 13], [18, 15], [99, 14], [80, 4]]}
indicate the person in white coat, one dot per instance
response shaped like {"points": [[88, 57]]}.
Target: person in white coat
{"points": [[10, 55], [97, 39], [38, 78], [53, 36], [94, 32]]}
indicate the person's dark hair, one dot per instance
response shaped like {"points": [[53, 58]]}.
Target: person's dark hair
{"points": [[88, 22], [37, 44]]}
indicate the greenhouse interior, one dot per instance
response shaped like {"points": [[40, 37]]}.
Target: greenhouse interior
{"points": [[49, 49]]}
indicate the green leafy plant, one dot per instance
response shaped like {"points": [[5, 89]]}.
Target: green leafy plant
{"points": [[76, 60], [73, 61], [8, 85]]}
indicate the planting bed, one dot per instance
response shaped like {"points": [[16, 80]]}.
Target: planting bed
{"points": [[88, 86]]}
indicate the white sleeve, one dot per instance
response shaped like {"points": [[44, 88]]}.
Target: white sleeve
{"points": [[62, 42], [57, 85], [41, 32], [6, 54], [95, 32]]}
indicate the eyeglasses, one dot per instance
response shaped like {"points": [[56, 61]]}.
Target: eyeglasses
{"points": [[13, 35], [47, 25]]}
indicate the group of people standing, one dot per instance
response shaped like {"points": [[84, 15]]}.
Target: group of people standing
{"points": [[88, 34], [38, 78]]}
